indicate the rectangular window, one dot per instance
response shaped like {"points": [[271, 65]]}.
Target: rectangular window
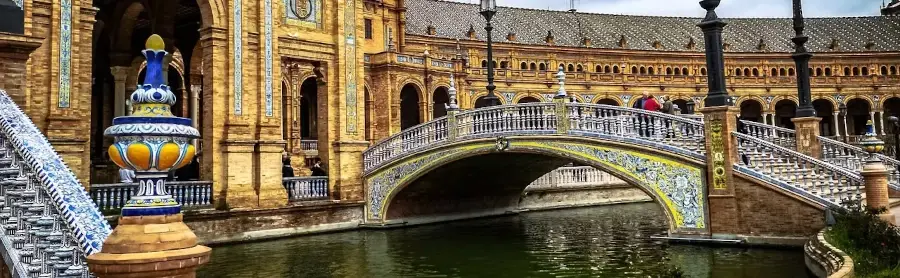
{"points": [[368, 29]]}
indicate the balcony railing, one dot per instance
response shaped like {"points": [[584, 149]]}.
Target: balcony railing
{"points": [[306, 188], [309, 145], [190, 194]]}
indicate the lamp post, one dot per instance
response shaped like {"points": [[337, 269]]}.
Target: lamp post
{"points": [[801, 60], [843, 115], [488, 9], [712, 27], [895, 122], [689, 107]]}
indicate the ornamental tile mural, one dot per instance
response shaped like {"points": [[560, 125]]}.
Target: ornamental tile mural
{"points": [[238, 57], [350, 55], [676, 184], [65, 52], [386, 181], [588, 98], [508, 96], [268, 63]]}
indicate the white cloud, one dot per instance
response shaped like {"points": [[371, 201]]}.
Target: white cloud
{"points": [[691, 8]]}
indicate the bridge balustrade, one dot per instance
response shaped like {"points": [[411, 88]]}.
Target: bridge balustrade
{"points": [[542, 118], [846, 156], [190, 194], [807, 176], [306, 188], [569, 177]]}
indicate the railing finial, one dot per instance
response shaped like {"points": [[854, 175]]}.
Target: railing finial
{"points": [[452, 94], [561, 76]]}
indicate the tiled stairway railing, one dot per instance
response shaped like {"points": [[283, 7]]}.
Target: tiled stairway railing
{"points": [[48, 223]]}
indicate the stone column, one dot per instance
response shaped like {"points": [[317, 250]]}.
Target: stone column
{"points": [[875, 175], [765, 118], [721, 149], [808, 136], [872, 118], [837, 126], [122, 104]]}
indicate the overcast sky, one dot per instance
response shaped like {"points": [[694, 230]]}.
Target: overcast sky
{"points": [[691, 8]]}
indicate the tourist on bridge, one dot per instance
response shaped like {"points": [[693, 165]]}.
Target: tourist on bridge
{"points": [[668, 107], [317, 170], [287, 171]]}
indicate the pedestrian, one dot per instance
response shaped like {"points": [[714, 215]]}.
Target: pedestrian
{"points": [[639, 103], [317, 169], [668, 107], [651, 104], [126, 175], [287, 171]]}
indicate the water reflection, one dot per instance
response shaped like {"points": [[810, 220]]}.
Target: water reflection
{"points": [[610, 241]]}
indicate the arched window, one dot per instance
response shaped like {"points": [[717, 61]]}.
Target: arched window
{"points": [[677, 71], [650, 70], [606, 69], [884, 70], [746, 72], [703, 71], [643, 70], [634, 70], [827, 71], [782, 72], [855, 71], [542, 66], [774, 72], [483, 63], [684, 71], [755, 72], [571, 67], [818, 71], [524, 66], [533, 66], [893, 70], [737, 72], [791, 72], [598, 69], [865, 71], [846, 71], [561, 66], [579, 68], [668, 71], [504, 64], [615, 69]]}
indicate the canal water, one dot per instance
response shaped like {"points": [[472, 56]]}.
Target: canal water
{"points": [[608, 241]]}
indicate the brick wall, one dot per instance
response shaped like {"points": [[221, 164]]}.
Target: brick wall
{"points": [[765, 211]]}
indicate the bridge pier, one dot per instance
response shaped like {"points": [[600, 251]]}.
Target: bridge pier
{"points": [[721, 150]]}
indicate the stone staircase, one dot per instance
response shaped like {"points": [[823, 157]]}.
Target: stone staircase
{"points": [[48, 223]]}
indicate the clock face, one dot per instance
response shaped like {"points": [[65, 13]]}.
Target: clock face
{"points": [[303, 8]]}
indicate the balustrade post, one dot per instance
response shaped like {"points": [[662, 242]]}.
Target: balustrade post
{"points": [[807, 136], [560, 100], [875, 175]]}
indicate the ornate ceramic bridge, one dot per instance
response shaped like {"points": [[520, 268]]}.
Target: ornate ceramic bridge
{"points": [[477, 162]]}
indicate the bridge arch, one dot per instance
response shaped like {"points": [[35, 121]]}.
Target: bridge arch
{"points": [[417, 186]]}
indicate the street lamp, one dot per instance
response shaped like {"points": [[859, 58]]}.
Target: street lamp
{"points": [[488, 9], [895, 122], [689, 107], [715, 58], [801, 61], [843, 115]]}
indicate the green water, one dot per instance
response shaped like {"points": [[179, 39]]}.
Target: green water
{"points": [[611, 241]]}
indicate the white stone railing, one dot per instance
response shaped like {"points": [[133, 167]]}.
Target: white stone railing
{"points": [[542, 118], [780, 136], [189, 194], [840, 154], [820, 181], [306, 188], [309, 145], [49, 223], [580, 176]]}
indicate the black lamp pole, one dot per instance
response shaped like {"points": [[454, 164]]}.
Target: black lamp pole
{"points": [[488, 9], [715, 58], [801, 60], [843, 117]]}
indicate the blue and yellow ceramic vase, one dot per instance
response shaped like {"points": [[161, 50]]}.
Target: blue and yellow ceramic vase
{"points": [[871, 143], [152, 141]]}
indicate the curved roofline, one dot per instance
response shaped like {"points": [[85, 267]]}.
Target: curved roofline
{"points": [[654, 16]]}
